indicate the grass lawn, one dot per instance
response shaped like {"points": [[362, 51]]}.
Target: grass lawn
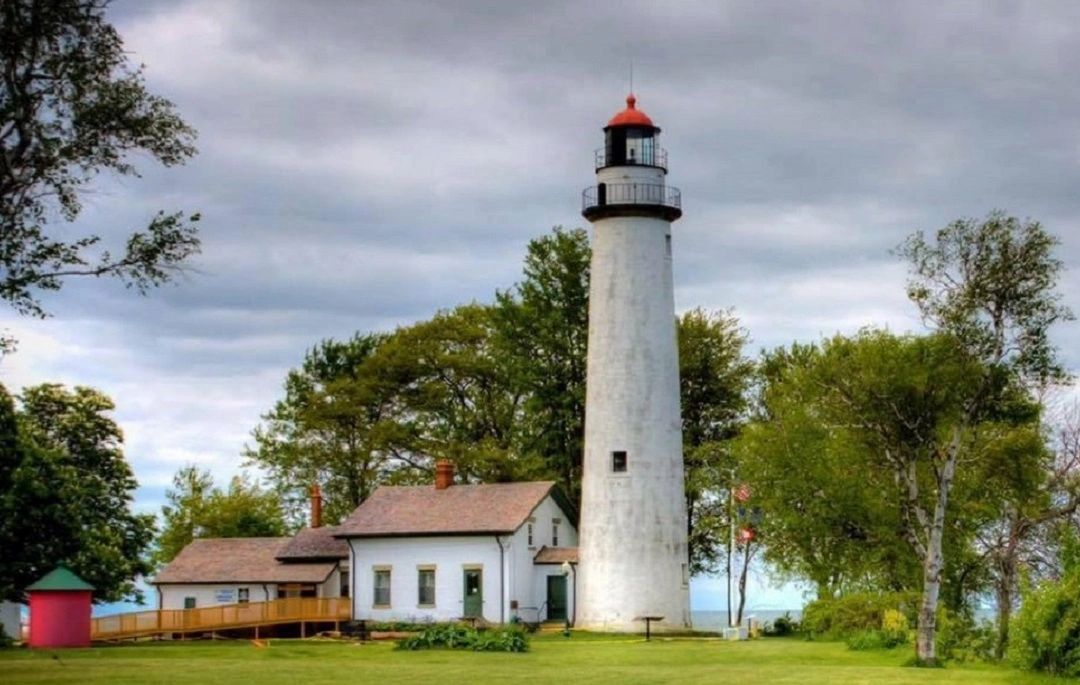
{"points": [[580, 659]]}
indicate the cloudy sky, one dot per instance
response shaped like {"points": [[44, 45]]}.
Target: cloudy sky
{"points": [[364, 164]]}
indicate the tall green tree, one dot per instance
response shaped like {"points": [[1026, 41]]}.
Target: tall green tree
{"points": [[817, 487], [714, 379], [458, 394], [542, 327], [71, 107], [198, 509], [991, 287], [1036, 478], [66, 494], [339, 425]]}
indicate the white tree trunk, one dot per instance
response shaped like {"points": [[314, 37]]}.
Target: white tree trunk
{"points": [[933, 563]]}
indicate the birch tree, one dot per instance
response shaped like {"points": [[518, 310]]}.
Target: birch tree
{"points": [[991, 287]]}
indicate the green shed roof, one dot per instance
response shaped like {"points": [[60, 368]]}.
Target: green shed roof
{"points": [[61, 578]]}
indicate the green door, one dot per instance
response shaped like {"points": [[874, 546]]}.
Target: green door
{"points": [[474, 593], [556, 598]]}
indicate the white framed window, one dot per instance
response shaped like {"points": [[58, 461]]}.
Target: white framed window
{"points": [[425, 584], [382, 586], [243, 595], [189, 602], [344, 586], [530, 531], [555, 532]]}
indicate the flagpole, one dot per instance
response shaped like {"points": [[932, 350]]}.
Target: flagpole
{"points": [[730, 544]]}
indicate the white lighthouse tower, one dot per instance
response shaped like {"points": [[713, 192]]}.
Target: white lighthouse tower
{"points": [[633, 550]]}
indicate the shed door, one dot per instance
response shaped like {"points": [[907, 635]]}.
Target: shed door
{"points": [[556, 598], [474, 593]]}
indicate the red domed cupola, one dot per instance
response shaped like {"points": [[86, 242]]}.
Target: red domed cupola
{"points": [[631, 116]]}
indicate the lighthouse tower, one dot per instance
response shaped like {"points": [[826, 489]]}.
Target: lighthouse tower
{"points": [[633, 550]]}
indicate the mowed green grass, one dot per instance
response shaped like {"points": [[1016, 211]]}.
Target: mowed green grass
{"points": [[553, 659]]}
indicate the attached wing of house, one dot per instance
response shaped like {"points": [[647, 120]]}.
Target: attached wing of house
{"points": [[214, 571]]}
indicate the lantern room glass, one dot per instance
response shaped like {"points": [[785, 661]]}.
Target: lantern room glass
{"points": [[630, 145]]}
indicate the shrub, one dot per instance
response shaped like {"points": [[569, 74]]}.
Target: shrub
{"points": [[456, 636], [844, 617], [1045, 634], [398, 626], [783, 626], [5, 639], [892, 633], [501, 640], [872, 639], [960, 638]]}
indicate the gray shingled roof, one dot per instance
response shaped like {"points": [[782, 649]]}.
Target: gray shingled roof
{"points": [[398, 511], [315, 543], [239, 560]]}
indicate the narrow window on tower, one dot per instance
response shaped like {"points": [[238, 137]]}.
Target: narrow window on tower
{"points": [[686, 575], [667, 239], [618, 461]]}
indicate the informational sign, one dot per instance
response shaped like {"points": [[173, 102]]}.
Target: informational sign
{"points": [[225, 596]]}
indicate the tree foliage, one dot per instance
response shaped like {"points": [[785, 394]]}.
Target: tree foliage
{"points": [[197, 509], [338, 425], [714, 378], [72, 107], [542, 327], [1047, 632], [990, 287], [66, 493], [459, 394], [821, 497]]}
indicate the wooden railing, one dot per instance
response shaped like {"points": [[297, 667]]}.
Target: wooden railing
{"points": [[226, 616]]}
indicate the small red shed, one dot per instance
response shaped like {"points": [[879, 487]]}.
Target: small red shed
{"points": [[60, 610]]}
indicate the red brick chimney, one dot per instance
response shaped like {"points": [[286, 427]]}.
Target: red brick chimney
{"points": [[444, 474], [316, 506]]}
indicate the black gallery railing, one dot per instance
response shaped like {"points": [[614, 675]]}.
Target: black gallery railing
{"points": [[630, 194]]}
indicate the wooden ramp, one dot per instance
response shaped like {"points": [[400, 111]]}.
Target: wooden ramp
{"points": [[299, 610]]}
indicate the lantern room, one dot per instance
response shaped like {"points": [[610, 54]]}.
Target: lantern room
{"points": [[630, 139]]}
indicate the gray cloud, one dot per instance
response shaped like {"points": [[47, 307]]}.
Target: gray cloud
{"points": [[364, 164]]}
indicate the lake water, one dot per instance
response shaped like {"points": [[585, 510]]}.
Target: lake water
{"points": [[718, 620]]}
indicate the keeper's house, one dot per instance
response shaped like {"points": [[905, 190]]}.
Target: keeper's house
{"points": [[417, 553], [491, 551]]}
